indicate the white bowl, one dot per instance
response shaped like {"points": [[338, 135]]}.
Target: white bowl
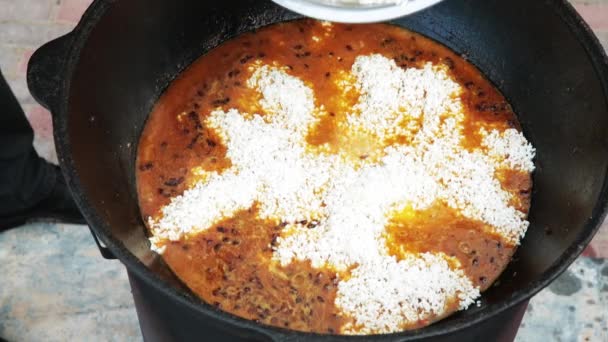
{"points": [[345, 11]]}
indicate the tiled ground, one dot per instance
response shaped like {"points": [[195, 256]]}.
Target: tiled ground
{"points": [[54, 286]]}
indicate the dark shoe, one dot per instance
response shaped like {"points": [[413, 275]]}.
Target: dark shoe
{"points": [[59, 206]]}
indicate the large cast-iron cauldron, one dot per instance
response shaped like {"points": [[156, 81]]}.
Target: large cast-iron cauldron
{"points": [[102, 80]]}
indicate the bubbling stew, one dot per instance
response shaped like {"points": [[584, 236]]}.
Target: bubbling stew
{"points": [[332, 178]]}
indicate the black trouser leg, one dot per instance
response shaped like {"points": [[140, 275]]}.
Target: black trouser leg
{"points": [[25, 178]]}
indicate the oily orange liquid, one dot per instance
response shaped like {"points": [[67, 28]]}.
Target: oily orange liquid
{"points": [[229, 265]]}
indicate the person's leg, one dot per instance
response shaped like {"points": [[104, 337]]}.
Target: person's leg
{"points": [[25, 179], [30, 187]]}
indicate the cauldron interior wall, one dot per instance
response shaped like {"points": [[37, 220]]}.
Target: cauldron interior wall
{"points": [[522, 46]]}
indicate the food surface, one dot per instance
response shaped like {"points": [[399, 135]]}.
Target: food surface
{"points": [[348, 179]]}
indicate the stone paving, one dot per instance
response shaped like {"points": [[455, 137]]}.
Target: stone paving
{"points": [[54, 286]]}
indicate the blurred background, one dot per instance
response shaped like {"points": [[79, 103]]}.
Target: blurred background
{"points": [[55, 286]]}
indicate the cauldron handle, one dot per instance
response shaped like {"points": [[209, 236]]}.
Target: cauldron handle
{"points": [[45, 71]]}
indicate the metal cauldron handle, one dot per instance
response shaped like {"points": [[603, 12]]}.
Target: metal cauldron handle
{"points": [[45, 71]]}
